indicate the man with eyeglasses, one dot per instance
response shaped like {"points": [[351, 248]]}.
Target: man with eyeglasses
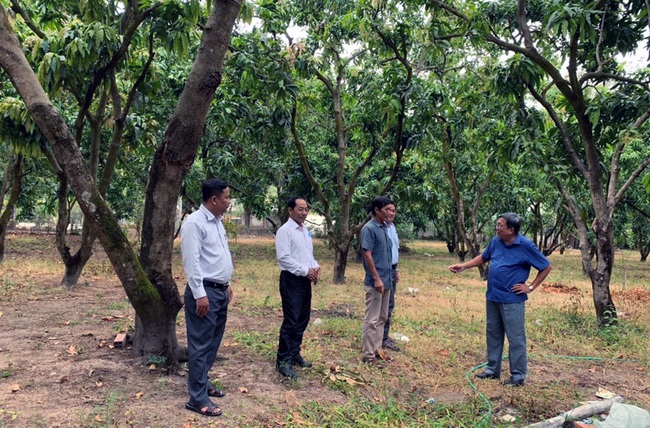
{"points": [[511, 256]]}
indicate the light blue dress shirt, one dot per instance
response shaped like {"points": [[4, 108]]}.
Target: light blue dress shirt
{"points": [[205, 252], [394, 241]]}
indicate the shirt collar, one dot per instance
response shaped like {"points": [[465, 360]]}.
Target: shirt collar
{"points": [[295, 224], [517, 241], [377, 222], [208, 215]]}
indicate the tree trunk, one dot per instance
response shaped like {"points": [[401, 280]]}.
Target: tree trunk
{"points": [[340, 263], [172, 160], [605, 309], [74, 263], [155, 301], [15, 172], [644, 250]]}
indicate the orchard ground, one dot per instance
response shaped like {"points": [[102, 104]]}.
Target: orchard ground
{"points": [[59, 368]]}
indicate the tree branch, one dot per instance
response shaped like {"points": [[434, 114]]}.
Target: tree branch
{"points": [[566, 137], [310, 176], [637, 172], [32, 26]]}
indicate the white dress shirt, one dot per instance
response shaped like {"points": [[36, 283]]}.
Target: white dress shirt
{"points": [[394, 242], [294, 248], [204, 247]]}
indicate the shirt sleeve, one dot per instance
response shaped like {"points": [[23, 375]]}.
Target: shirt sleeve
{"points": [[190, 252], [367, 241], [536, 258], [487, 253], [283, 252]]}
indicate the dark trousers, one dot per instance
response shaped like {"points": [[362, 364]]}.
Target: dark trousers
{"points": [[203, 339], [391, 304], [295, 292]]}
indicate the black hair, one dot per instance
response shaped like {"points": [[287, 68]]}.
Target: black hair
{"points": [[378, 203], [513, 221], [213, 187], [291, 203]]}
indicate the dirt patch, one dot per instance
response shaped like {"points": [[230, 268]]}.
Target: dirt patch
{"points": [[56, 354], [557, 287], [633, 294], [59, 370]]}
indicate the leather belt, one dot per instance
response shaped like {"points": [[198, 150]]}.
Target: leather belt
{"points": [[213, 284]]}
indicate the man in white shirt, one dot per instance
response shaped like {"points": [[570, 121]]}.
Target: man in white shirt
{"points": [[299, 270], [208, 267], [391, 231]]}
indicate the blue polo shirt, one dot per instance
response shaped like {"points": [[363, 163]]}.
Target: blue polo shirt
{"points": [[510, 265], [374, 237]]}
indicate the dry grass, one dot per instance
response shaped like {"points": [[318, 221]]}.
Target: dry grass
{"points": [[444, 320]]}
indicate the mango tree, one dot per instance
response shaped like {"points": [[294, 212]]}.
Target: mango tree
{"points": [[147, 279], [574, 51]]}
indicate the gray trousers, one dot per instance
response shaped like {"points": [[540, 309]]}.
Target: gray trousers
{"points": [[203, 339], [506, 320]]}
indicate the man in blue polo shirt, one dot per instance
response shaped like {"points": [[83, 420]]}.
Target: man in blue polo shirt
{"points": [[376, 252], [511, 257]]}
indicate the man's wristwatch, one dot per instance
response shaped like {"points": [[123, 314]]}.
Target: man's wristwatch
{"points": [[531, 288]]}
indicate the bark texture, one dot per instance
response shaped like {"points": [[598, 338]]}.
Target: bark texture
{"points": [[15, 175], [156, 300]]}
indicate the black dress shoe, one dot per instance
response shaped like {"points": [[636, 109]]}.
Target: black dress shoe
{"points": [[485, 375], [390, 344], [286, 370], [301, 362], [512, 382]]}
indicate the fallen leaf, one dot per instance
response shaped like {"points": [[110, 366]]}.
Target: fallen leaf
{"points": [[349, 380], [72, 350], [99, 418], [99, 384], [15, 387], [66, 323], [297, 418], [603, 393], [243, 389], [152, 367], [0, 313], [101, 344], [381, 354], [444, 352], [64, 379], [138, 395], [91, 372]]}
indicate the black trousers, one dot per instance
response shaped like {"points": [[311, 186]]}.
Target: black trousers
{"points": [[295, 292], [391, 304]]}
